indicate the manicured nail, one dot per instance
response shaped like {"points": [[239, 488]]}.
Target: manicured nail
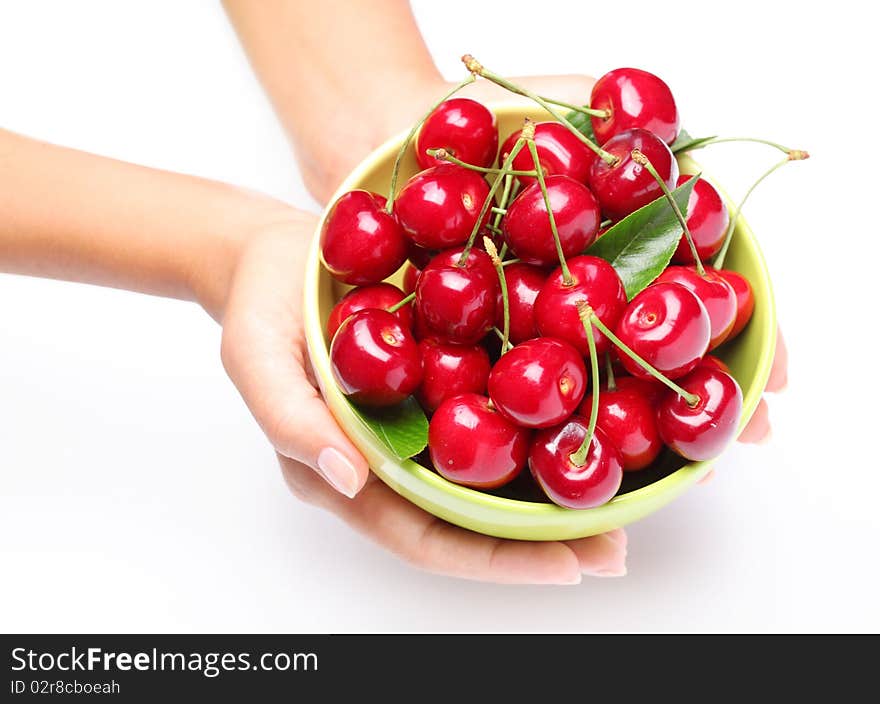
{"points": [[621, 572], [338, 471], [613, 563], [577, 579]]}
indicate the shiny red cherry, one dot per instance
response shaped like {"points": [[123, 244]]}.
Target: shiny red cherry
{"points": [[526, 226], [667, 326], [627, 185], [627, 417], [701, 432], [567, 485], [472, 444], [410, 277], [437, 208], [538, 383], [559, 152], [464, 128], [457, 302], [376, 296], [714, 293], [361, 243], [449, 370], [524, 281], [650, 388], [593, 280], [635, 99], [710, 360], [745, 300], [375, 360], [419, 256], [707, 220]]}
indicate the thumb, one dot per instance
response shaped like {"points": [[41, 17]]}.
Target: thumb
{"points": [[291, 412]]}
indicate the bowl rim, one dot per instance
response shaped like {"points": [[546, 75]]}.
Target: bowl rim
{"points": [[667, 487]]}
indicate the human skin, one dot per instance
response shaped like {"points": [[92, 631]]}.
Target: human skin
{"points": [[241, 256]]}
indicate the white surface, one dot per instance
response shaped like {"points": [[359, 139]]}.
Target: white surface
{"points": [[136, 494]]}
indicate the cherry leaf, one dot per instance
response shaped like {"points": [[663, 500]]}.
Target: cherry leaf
{"points": [[402, 428]]}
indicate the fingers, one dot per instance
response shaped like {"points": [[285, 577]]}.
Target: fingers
{"points": [[779, 371], [601, 555], [436, 546], [758, 428], [262, 351]]}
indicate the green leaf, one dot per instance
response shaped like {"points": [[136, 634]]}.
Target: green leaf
{"points": [[686, 143], [641, 245], [402, 428], [582, 123]]}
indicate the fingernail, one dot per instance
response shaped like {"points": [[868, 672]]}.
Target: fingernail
{"points": [[621, 572], [577, 579], [614, 562], [338, 471], [617, 536], [768, 436]]}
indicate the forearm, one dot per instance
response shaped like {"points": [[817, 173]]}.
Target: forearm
{"points": [[70, 215], [335, 70]]}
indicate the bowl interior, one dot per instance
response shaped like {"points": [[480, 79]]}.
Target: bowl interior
{"points": [[518, 511]]}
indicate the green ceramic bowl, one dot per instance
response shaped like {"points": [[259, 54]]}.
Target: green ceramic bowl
{"points": [[508, 514]]}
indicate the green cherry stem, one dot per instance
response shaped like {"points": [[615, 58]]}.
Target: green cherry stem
{"points": [[583, 109], [476, 68], [692, 399], [756, 140], [579, 458], [520, 143], [533, 150], [500, 336], [505, 196], [793, 155], [444, 155], [395, 173], [508, 262], [640, 158], [609, 372], [502, 279], [400, 304]]}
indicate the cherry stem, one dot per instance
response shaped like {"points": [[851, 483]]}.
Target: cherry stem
{"points": [[566, 274], [579, 458], [722, 140], [584, 109], [520, 143], [505, 196], [640, 158], [794, 155], [476, 68], [692, 399], [444, 155], [502, 279], [501, 337], [609, 372], [395, 173], [400, 304], [499, 211], [508, 262]]}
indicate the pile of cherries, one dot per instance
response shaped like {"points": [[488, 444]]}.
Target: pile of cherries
{"points": [[496, 406]]}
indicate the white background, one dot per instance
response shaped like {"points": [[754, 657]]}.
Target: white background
{"points": [[136, 494]]}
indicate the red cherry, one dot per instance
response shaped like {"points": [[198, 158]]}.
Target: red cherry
{"points": [[410, 276], [714, 293], [566, 484], [361, 243], [526, 226], [524, 281], [707, 220], [650, 388], [745, 299], [593, 280], [538, 383], [438, 207], [635, 99], [456, 302], [701, 432], [668, 327], [559, 152], [464, 128], [375, 296], [471, 444], [627, 186], [418, 256], [375, 359], [627, 418], [713, 362], [449, 370]]}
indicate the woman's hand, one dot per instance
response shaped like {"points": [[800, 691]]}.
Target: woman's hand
{"points": [[264, 352]]}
